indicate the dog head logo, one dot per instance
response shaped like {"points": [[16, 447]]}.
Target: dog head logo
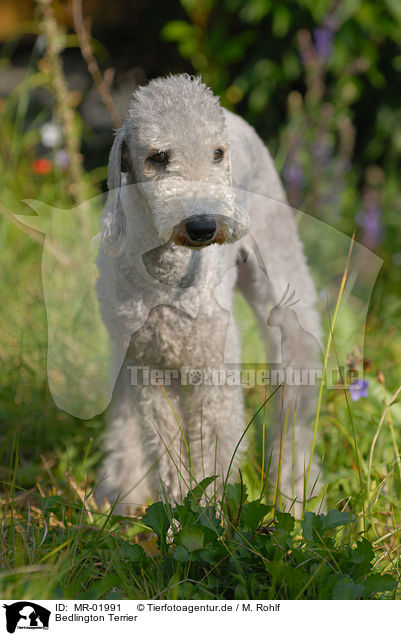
{"points": [[26, 615]]}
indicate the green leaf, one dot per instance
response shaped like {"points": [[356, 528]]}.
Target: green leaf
{"points": [[254, 513], [158, 518], [189, 512], [334, 519], [376, 583], [236, 493], [210, 556], [312, 526], [191, 539], [285, 521], [181, 554], [362, 553], [212, 528], [177, 31], [347, 590], [194, 496], [193, 7], [281, 21], [254, 11], [134, 552]]}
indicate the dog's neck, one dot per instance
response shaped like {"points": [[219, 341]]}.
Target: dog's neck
{"points": [[168, 267], [173, 265]]}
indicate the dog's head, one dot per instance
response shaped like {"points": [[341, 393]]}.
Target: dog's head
{"points": [[174, 150]]}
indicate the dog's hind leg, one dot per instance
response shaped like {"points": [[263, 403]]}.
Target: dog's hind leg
{"points": [[272, 262]]}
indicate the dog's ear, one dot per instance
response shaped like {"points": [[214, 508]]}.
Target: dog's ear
{"points": [[113, 222]]}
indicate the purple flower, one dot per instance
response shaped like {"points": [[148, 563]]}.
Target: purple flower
{"points": [[323, 43], [369, 219], [293, 174], [324, 37], [62, 159], [358, 389]]}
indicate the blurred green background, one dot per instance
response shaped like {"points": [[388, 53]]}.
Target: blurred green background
{"points": [[320, 81]]}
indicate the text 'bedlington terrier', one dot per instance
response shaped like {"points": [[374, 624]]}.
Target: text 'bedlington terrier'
{"points": [[195, 208]]}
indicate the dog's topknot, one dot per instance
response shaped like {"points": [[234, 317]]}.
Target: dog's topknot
{"points": [[175, 91], [183, 100]]}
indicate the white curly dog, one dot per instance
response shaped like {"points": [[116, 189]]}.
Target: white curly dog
{"points": [[196, 208]]}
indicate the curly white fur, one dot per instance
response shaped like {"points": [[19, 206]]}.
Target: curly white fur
{"points": [[158, 296]]}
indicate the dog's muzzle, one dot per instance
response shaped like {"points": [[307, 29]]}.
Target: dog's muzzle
{"points": [[201, 229]]}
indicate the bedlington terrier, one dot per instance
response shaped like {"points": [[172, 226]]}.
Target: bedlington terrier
{"points": [[196, 208]]}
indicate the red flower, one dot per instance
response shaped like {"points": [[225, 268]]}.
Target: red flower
{"points": [[42, 166]]}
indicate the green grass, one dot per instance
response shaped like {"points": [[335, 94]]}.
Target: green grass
{"points": [[54, 543]]}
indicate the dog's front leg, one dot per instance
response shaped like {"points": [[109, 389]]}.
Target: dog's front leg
{"points": [[216, 423], [144, 450]]}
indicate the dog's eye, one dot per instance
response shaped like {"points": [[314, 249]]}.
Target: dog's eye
{"points": [[160, 158], [218, 155]]}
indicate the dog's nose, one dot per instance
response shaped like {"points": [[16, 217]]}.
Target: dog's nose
{"points": [[201, 229]]}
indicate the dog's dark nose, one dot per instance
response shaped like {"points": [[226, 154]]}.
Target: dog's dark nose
{"points": [[201, 229]]}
